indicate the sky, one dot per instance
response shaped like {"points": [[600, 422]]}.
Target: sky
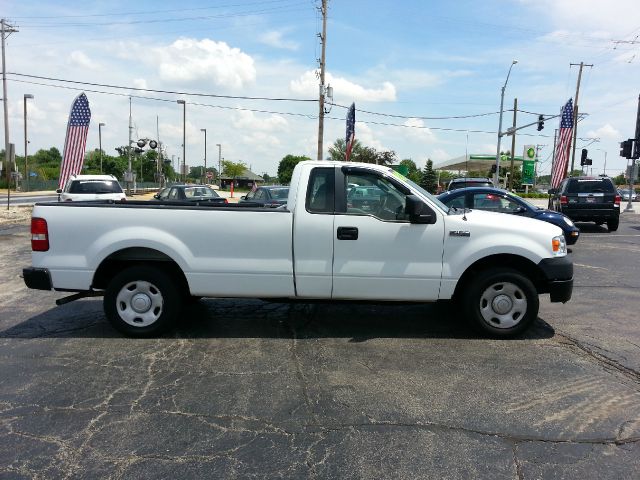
{"points": [[409, 66]]}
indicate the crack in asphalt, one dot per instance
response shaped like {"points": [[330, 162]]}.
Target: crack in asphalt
{"points": [[589, 351]]}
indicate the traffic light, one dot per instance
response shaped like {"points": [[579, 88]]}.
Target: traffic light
{"points": [[625, 148], [540, 122], [583, 158]]}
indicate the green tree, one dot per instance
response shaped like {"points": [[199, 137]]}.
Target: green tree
{"points": [[286, 166], [233, 169], [429, 180], [338, 150], [414, 173]]}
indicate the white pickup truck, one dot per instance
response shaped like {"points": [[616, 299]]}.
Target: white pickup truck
{"points": [[397, 243]]}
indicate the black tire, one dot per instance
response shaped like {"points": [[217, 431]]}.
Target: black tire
{"points": [[613, 224], [495, 289], [142, 301]]}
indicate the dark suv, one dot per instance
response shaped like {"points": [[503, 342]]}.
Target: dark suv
{"points": [[465, 182], [587, 199]]}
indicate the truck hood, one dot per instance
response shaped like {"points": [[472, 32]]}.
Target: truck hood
{"points": [[481, 220]]}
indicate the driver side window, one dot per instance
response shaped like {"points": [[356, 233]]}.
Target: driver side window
{"points": [[371, 194]]}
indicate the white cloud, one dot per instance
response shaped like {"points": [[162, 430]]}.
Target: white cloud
{"points": [[439, 155], [418, 131], [188, 60], [275, 39], [367, 138], [606, 131], [246, 120], [590, 15], [140, 83], [307, 84], [80, 59]]}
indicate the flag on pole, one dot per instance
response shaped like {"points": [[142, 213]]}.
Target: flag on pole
{"points": [[76, 141], [351, 130], [563, 146]]}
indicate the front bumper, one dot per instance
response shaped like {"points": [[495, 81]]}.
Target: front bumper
{"points": [[37, 278], [558, 278]]}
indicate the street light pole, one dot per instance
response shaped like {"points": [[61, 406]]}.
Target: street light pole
{"points": [[26, 141], [184, 138], [205, 153], [504, 87], [100, 125], [219, 165]]}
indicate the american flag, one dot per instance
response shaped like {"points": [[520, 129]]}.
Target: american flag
{"points": [[76, 141], [351, 130], [563, 146]]}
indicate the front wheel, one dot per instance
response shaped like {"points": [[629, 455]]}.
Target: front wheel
{"points": [[501, 302], [142, 301]]}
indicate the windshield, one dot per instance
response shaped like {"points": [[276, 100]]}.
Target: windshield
{"points": [[200, 192], [422, 191], [95, 186], [279, 193], [522, 200]]}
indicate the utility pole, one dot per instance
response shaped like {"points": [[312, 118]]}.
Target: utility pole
{"points": [[513, 140], [323, 41], [27, 96], [575, 111], [5, 31], [129, 178], [634, 154]]}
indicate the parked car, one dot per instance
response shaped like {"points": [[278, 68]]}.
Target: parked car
{"points": [[189, 193], [588, 199], [469, 182], [496, 200], [366, 198], [625, 193], [91, 187], [272, 196]]}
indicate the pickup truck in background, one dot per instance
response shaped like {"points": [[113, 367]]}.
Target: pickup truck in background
{"points": [[148, 258]]}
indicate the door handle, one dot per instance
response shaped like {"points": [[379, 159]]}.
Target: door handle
{"points": [[347, 233]]}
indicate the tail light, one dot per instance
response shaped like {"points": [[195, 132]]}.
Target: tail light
{"points": [[563, 200], [618, 199], [39, 235]]}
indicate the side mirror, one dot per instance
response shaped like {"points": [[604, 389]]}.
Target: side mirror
{"points": [[59, 191], [418, 211], [552, 191], [520, 210], [243, 197]]}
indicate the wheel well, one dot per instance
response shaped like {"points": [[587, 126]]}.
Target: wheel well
{"points": [[118, 261], [515, 262]]}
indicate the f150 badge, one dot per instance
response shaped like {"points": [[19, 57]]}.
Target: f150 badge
{"points": [[459, 233]]}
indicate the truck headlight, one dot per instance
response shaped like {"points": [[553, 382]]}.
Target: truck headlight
{"points": [[558, 246]]}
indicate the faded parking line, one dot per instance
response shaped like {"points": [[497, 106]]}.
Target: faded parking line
{"points": [[589, 266]]}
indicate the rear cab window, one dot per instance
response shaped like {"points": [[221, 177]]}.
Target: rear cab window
{"points": [[95, 186]]}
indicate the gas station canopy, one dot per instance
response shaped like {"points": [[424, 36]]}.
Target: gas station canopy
{"points": [[473, 162]]}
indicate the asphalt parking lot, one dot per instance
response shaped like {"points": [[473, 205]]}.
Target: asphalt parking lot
{"points": [[248, 389]]}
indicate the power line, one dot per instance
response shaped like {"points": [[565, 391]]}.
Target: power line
{"points": [[146, 12], [170, 92], [391, 115], [283, 8]]}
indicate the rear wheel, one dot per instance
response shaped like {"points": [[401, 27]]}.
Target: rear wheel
{"points": [[501, 302], [613, 224], [142, 301]]}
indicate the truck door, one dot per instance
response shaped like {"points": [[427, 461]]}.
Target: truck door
{"points": [[378, 254], [313, 235]]}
